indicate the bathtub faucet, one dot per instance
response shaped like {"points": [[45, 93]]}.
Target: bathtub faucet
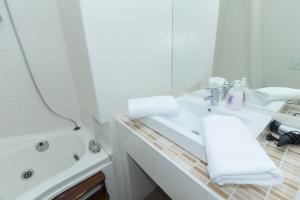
{"points": [[94, 146]]}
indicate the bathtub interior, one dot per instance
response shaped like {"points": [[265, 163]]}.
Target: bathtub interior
{"points": [[22, 167]]}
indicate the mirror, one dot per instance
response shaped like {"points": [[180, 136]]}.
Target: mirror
{"points": [[252, 39]]}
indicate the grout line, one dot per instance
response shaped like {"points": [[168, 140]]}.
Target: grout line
{"points": [[280, 165]]}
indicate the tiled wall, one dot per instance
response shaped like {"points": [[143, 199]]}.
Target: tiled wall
{"points": [[130, 45], [21, 111], [77, 50], [80, 65]]}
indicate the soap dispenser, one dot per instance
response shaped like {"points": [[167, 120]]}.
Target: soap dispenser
{"points": [[235, 96]]}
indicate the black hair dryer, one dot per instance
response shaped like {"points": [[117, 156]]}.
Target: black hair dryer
{"points": [[288, 135]]}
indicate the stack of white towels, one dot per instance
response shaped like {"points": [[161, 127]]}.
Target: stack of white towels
{"points": [[234, 156]]}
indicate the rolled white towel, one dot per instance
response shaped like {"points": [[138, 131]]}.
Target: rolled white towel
{"points": [[217, 82], [159, 105], [279, 93], [234, 156]]}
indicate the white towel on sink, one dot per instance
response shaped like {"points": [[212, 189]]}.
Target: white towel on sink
{"points": [[233, 154], [159, 105], [279, 93]]}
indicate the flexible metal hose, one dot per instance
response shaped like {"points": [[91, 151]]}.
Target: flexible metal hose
{"points": [[30, 71]]}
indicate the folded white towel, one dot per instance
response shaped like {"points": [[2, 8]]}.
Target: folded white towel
{"points": [[233, 154], [217, 82], [279, 93], [159, 105]]}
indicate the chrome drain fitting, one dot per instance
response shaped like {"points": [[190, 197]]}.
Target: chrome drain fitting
{"points": [[27, 174], [76, 157]]}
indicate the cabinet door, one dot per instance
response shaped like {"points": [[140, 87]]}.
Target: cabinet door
{"points": [[92, 188]]}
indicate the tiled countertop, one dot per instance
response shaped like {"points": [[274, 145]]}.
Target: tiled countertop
{"points": [[292, 109], [287, 158]]}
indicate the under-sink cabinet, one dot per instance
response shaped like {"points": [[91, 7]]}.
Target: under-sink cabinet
{"points": [[92, 188]]}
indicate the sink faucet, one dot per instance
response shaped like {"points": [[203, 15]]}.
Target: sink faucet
{"points": [[225, 89], [214, 96]]}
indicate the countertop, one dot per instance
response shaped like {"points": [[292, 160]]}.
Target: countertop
{"points": [[286, 158]]}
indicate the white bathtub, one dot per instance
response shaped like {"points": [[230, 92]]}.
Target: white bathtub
{"points": [[54, 170]]}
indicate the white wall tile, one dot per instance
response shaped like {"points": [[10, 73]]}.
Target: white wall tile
{"points": [[12, 122], [83, 80], [67, 105], [38, 23], [123, 72], [72, 22], [8, 40], [51, 69], [14, 79], [41, 33], [79, 62], [129, 44], [37, 117], [126, 22]]}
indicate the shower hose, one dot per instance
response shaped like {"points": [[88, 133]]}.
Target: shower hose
{"points": [[51, 110]]}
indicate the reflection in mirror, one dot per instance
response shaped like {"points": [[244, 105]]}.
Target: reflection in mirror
{"points": [[194, 37], [256, 40]]}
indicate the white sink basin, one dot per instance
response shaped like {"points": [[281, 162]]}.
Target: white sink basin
{"points": [[185, 129]]}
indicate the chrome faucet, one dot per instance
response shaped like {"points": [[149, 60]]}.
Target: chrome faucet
{"points": [[214, 96], [225, 89], [94, 146]]}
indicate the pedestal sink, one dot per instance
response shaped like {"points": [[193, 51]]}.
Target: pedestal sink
{"points": [[185, 129]]}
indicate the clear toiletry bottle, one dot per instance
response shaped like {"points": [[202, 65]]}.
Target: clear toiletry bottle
{"points": [[245, 88], [235, 96]]}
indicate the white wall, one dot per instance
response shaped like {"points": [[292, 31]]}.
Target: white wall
{"points": [[281, 43], [80, 66], [195, 28], [232, 48], [77, 50], [129, 45], [21, 111]]}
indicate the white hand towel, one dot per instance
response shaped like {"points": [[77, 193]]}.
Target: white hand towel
{"points": [[159, 105], [279, 93], [234, 156]]}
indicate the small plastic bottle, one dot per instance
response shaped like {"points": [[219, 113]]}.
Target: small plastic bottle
{"points": [[235, 96], [245, 89]]}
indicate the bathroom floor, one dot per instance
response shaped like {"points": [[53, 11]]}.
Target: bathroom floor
{"points": [[157, 194]]}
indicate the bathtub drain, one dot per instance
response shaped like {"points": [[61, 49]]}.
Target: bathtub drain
{"points": [[27, 174]]}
